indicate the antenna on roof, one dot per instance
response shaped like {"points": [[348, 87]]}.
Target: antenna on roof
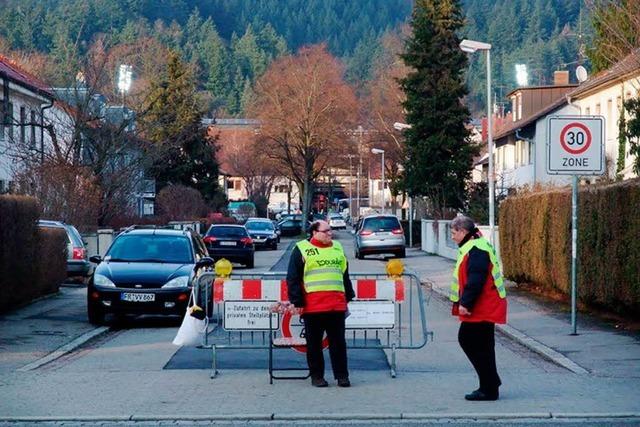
{"points": [[581, 73]]}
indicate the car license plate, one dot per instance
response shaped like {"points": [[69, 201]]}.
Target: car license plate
{"points": [[227, 243], [127, 296]]}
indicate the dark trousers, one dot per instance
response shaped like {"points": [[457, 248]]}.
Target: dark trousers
{"points": [[477, 340], [315, 325]]}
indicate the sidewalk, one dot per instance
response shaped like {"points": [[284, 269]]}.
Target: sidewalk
{"points": [[598, 349]]}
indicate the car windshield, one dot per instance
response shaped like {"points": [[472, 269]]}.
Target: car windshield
{"points": [[227, 232], [292, 222], [259, 225], [335, 216], [151, 248], [381, 224]]}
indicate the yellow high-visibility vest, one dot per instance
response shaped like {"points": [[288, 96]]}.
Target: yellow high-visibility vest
{"points": [[482, 244], [323, 267]]}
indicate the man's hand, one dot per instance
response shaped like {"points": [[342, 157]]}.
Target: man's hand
{"points": [[464, 311]]}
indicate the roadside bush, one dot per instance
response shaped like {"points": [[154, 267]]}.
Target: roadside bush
{"points": [[52, 260], [535, 241], [26, 271]]}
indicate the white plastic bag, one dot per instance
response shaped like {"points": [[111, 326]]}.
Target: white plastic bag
{"points": [[191, 330]]}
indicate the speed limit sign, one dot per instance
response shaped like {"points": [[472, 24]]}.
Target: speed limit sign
{"points": [[575, 145]]}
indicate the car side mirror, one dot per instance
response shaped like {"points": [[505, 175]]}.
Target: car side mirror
{"points": [[96, 259], [204, 262]]}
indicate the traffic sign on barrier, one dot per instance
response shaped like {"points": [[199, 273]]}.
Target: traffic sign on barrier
{"points": [[575, 145]]}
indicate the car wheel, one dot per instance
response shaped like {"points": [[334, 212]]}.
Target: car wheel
{"points": [[95, 314], [402, 253], [250, 263]]}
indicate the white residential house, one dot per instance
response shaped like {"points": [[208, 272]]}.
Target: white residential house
{"points": [[603, 95], [23, 100], [520, 146]]}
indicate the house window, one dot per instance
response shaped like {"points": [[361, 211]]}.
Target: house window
{"points": [[2, 119], [229, 184], [522, 152], [610, 118], [514, 107], [587, 111], [23, 122], [237, 184], [282, 188], [33, 129], [598, 109], [9, 120], [519, 106]]}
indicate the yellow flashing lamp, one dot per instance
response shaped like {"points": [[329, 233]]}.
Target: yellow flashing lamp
{"points": [[394, 268], [223, 268]]}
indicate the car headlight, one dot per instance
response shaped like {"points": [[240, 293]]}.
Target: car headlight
{"points": [[102, 280], [178, 282], [274, 235]]}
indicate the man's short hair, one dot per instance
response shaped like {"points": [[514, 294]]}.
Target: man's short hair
{"points": [[314, 226]]}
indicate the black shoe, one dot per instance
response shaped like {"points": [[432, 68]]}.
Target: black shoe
{"points": [[319, 382], [344, 382], [479, 395]]}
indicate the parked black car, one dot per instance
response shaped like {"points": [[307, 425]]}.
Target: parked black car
{"points": [[77, 263], [146, 271], [290, 227], [263, 232], [231, 242]]}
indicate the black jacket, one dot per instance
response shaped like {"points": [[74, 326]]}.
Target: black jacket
{"points": [[477, 269]]}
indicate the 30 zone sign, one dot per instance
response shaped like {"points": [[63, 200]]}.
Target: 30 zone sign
{"points": [[575, 145]]}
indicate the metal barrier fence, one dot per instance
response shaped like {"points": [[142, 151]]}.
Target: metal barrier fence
{"points": [[387, 313]]}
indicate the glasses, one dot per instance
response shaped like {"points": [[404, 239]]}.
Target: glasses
{"points": [[328, 230]]}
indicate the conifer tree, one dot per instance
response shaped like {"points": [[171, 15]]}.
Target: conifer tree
{"points": [[439, 153], [183, 153]]}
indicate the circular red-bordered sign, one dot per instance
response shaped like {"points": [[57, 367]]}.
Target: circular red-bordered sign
{"points": [[286, 332], [580, 139]]}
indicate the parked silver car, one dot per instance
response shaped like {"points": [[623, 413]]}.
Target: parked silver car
{"points": [[379, 234], [77, 263]]}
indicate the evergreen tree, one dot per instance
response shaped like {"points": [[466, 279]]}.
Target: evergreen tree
{"points": [[183, 153], [439, 153]]}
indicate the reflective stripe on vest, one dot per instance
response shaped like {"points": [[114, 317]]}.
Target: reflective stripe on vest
{"points": [[323, 267], [482, 244]]}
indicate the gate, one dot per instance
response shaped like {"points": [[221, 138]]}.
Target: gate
{"points": [[387, 313]]}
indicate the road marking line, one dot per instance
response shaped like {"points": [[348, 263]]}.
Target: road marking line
{"points": [[61, 351]]}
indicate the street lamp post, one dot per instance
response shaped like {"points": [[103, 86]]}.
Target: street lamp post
{"points": [[380, 151], [471, 46], [401, 127], [350, 156]]}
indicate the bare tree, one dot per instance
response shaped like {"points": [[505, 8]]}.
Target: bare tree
{"points": [[384, 108], [305, 109]]}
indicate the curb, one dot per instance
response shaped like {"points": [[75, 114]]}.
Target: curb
{"points": [[539, 416], [61, 351], [528, 342]]}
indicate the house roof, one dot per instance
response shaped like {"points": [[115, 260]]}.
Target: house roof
{"points": [[628, 65], [18, 75], [528, 88], [513, 126]]}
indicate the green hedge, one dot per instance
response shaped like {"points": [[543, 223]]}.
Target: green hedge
{"points": [[31, 263], [535, 242]]}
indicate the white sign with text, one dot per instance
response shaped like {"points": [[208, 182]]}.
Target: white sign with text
{"points": [[575, 145], [251, 315], [371, 315]]}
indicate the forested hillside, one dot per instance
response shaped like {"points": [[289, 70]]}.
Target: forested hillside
{"points": [[543, 34], [232, 42]]}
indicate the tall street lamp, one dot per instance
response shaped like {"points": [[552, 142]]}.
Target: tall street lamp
{"points": [[471, 46], [401, 127], [380, 151]]}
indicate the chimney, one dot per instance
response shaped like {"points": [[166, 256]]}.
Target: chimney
{"points": [[560, 78]]}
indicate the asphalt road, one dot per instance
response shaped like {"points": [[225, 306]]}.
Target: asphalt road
{"points": [[119, 377]]}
